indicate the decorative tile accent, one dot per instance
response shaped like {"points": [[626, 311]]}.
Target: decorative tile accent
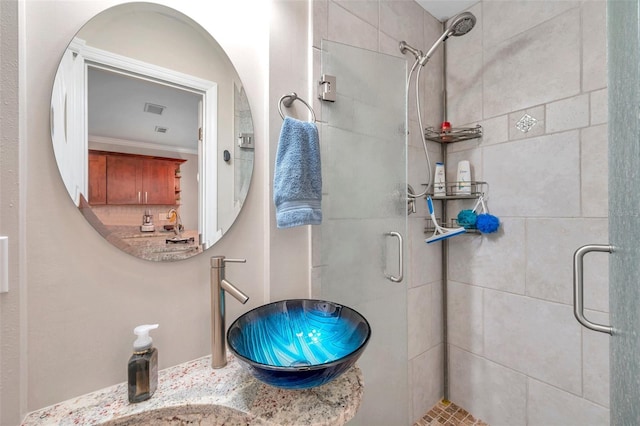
{"points": [[449, 414], [526, 123]]}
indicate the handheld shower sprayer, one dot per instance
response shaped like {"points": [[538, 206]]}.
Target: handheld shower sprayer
{"points": [[458, 25]]}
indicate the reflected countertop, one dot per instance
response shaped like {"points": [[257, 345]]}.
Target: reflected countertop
{"points": [[193, 392], [145, 245], [153, 245]]}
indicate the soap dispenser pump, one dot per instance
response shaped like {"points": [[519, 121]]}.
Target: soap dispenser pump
{"points": [[143, 365]]}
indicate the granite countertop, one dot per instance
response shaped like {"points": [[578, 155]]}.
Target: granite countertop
{"points": [[153, 245], [193, 392], [145, 245]]}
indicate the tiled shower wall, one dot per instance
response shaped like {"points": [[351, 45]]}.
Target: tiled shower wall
{"points": [[517, 354], [380, 26]]}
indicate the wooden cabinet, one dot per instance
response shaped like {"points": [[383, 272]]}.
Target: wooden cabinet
{"points": [[158, 181], [134, 179], [124, 180], [97, 179]]}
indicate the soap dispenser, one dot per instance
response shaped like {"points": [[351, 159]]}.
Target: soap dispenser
{"points": [[143, 365]]}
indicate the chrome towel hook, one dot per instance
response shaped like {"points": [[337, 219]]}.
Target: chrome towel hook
{"points": [[287, 100]]}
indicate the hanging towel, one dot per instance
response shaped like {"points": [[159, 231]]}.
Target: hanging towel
{"points": [[297, 181]]}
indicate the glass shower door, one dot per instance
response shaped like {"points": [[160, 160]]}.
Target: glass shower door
{"points": [[364, 217], [624, 203]]}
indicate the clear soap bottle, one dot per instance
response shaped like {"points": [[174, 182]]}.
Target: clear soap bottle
{"points": [[143, 365]]}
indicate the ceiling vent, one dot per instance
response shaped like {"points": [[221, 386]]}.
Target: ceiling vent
{"points": [[153, 108], [161, 129]]}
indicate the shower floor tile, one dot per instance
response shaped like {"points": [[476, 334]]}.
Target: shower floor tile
{"points": [[448, 414]]}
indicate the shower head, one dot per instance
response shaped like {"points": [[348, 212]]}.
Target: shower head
{"points": [[459, 25]]}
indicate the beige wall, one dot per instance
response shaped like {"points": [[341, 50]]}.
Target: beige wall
{"points": [[68, 318], [12, 375]]}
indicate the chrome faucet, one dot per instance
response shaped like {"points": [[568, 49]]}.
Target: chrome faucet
{"points": [[218, 287]]}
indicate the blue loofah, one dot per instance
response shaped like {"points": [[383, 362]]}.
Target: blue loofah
{"points": [[467, 218], [487, 223]]}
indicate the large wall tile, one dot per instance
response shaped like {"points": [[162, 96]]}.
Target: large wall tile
{"points": [[494, 261], [594, 172], [320, 21], [425, 260], [595, 359], [464, 88], [547, 406], [391, 46], [403, 20], [489, 391], [567, 114], [535, 337], [594, 50], [599, 107], [550, 245], [436, 314], [366, 10], [419, 319], [464, 74], [495, 130], [506, 19], [425, 372], [345, 27], [535, 67], [464, 311], [535, 177], [431, 77]]}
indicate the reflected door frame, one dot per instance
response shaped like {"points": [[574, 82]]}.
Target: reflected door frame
{"points": [[87, 56]]}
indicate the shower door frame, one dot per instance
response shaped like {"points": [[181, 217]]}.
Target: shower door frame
{"points": [[623, 41]]}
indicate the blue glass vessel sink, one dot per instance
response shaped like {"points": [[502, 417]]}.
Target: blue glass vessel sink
{"points": [[298, 344]]}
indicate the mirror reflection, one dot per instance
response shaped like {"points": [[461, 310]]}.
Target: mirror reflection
{"points": [[152, 131]]}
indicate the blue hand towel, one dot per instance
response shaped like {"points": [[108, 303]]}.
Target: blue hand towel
{"points": [[297, 181]]}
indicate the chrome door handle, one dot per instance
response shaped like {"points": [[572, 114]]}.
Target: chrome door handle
{"points": [[400, 258], [578, 286]]}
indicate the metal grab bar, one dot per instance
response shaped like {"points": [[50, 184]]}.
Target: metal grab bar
{"points": [[400, 258], [578, 286]]}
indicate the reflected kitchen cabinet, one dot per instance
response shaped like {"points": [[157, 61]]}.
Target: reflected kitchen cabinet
{"points": [[97, 179], [132, 179]]}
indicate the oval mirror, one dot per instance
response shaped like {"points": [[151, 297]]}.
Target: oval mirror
{"points": [[152, 131]]}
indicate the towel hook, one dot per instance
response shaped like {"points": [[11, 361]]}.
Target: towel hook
{"points": [[287, 100]]}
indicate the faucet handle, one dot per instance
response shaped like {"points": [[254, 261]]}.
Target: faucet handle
{"points": [[220, 261]]}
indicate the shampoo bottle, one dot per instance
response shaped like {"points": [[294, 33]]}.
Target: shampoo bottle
{"points": [[143, 365], [463, 184], [439, 185]]}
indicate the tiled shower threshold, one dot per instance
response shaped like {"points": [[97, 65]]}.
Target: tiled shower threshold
{"points": [[446, 413]]}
